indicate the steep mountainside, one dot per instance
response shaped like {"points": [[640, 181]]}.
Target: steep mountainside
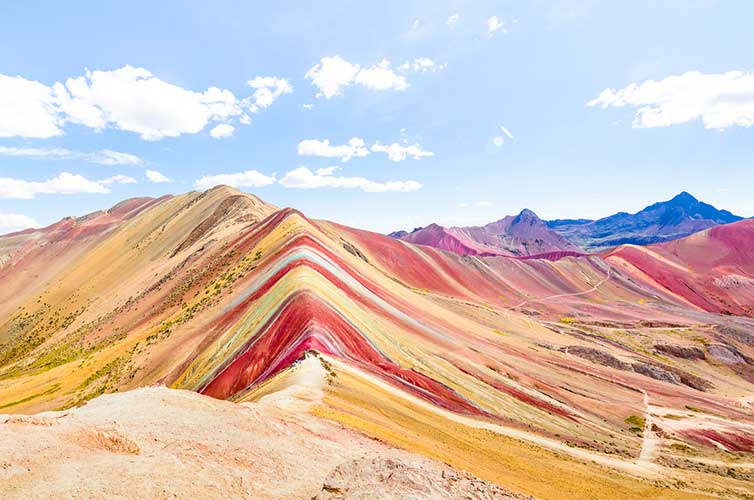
{"points": [[524, 234], [665, 221], [712, 269], [582, 377]]}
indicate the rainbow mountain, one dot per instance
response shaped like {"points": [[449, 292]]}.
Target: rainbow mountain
{"points": [[626, 374]]}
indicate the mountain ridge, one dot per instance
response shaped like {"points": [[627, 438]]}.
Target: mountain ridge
{"points": [[524, 234], [668, 220], [662, 221], [470, 361]]}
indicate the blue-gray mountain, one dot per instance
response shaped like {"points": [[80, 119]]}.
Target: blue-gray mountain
{"points": [[526, 234], [663, 221]]}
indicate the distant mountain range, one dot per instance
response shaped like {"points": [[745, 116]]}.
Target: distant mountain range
{"points": [[526, 234], [664, 221]]}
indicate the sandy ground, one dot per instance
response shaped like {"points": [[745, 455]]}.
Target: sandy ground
{"points": [[163, 443]]}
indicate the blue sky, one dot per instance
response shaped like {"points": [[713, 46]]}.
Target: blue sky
{"points": [[96, 100]]}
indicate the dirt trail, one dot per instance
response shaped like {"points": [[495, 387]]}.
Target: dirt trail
{"points": [[650, 440], [638, 468], [561, 295]]}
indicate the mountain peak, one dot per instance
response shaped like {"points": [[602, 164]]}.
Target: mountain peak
{"points": [[526, 213], [684, 198], [527, 216], [668, 220]]}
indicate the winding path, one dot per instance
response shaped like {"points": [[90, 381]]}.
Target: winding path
{"points": [[560, 295]]}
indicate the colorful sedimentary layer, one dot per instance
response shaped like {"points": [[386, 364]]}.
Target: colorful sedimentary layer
{"points": [[712, 269], [595, 364]]}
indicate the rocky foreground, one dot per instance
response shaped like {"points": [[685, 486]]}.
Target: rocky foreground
{"points": [[164, 443]]}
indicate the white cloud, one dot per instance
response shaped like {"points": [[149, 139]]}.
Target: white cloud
{"points": [[27, 109], [314, 147], [327, 170], [156, 177], [248, 178], [333, 74], [397, 152], [109, 157], [117, 179], [381, 77], [222, 131], [15, 222], [720, 100], [453, 20], [494, 24], [45, 153], [356, 148], [128, 98], [303, 178], [422, 64], [268, 90], [506, 132], [134, 100], [63, 183], [102, 157], [307, 106]]}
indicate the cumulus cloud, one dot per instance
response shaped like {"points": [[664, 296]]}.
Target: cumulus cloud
{"points": [[333, 74], [720, 100], [15, 222], [494, 25], [222, 131], [453, 20], [398, 152], [303, 178], [268, 90], [130, 99], [102, 157], [327, 170], [344, 152], [63, 183], [134, 100], [381, 77], [156, 177], [27, 109], [248, 178]]}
